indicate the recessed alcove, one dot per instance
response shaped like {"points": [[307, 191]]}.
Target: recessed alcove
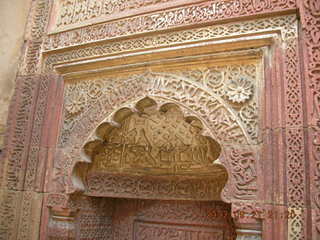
{"points": [[162, 138], [157, 174], [152, 152]]}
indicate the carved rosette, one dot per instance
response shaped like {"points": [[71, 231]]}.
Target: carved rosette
{"points": [[239, 90]]}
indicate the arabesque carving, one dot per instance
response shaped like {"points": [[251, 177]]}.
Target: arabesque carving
{"points": [[198, 92], [286, 25], [73, 12], [153, 141], [231, 117], [205, 86]]}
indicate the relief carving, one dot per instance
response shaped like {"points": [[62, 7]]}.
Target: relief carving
{"points": [[153, 141], [239, 90], [244, 172], [73, 14], [95, 33], [176, 220], [207, 87], [310, 18], [78, 11], [156, 140], [144, 231]]}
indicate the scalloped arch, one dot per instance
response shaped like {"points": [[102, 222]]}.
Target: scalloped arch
{"points": [[220, 122]]}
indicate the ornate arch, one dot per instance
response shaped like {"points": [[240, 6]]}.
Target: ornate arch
{"points": [[152, 151], [220, 121]]}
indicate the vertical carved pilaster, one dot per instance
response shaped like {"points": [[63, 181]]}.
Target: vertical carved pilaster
{"points": [[62, 224], [248, 231], [248, 224]]}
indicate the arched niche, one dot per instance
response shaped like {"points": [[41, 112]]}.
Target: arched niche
{"points": [[151, 151]]}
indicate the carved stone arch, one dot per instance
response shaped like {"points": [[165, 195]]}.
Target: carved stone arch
{"points": [[192, 99], [156, 151], [119, 99]]}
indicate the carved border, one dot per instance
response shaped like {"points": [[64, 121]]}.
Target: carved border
{"points": [[310, 19], [295, 139], [286, 25], [97, 11], [184, 16]]}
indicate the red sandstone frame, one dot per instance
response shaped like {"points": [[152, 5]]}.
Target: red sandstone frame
{"points": [[34, 170]]}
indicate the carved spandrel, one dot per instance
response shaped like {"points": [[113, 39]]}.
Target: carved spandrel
{"points": [[203, 91]]}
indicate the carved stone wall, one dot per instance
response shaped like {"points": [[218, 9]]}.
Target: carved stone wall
{"points": [[149, 219], [252, 84]]}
